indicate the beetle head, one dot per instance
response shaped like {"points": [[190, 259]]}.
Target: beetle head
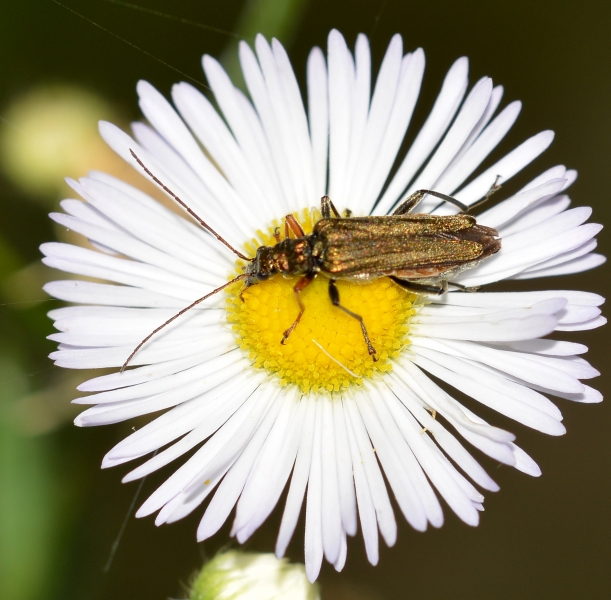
{"points": [[261, 267]]}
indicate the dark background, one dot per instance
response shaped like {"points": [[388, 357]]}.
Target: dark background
{"points": [[59, 514]]}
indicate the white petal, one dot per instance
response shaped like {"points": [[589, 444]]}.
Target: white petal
{"points": [[584, 326], [286, 99], [367, 514], [513, 299], [239, 169], [299, 480], [271, 470], [76, 357], [343, 552], [507, 167], [404, 474], [441, 402], [245, 125], [557, 172], [83, 211], [377, 488], [470, 113], [528, 368], [549, 347], [446, 440], [318, 117], [313, 528], [493, 104], [163, 117], [142, 374], [219, 370], [538, 212], [485, 391], [490, 440], [562, 223], [438, 315], [341, 82], [259, 93], [447, 103], [331, 511], [567, 257], [238, 426], [200, 417], [88, 292], [505, 330], [129, 246], [229, 490], [481, 147], [82, 261], [368, 129], [408, 90], [506, 264], [344, 470], [177, 175], [577, 265], [525, 463], [508, 209]]}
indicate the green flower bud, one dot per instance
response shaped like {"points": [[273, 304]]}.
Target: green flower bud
{"points": [[251, 576]]}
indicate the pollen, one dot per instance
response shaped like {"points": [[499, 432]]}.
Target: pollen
{"points": [[326, 353]]}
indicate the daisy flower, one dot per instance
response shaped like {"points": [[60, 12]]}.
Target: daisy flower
{"points": [[317, 415]]}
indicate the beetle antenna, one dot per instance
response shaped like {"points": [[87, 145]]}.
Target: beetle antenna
{"points": [[178, 314], [203, 223]]}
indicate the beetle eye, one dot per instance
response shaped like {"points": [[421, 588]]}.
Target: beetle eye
{"points": [[262, 276]]}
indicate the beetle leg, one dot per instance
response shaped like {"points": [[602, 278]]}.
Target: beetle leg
{"points": [[409, 203], [277, 235], [301, 285], [296, 228], [417, 196], [463, 288], [421, 288], [327, 207], [334, 295], [494, 188]]}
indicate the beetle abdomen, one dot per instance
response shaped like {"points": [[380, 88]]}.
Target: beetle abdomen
{"points": [[406, 246]]}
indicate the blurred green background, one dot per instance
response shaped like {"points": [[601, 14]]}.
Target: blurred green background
{"points": [[59, 513]]}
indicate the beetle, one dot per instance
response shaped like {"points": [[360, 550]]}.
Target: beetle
{"points": [[419, 252]]}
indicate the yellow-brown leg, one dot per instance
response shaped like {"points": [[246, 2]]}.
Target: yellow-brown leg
{"points": [[301, 285], [296, 228]]}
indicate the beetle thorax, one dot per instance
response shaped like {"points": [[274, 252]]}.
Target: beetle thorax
{"points": [[291, 257]]}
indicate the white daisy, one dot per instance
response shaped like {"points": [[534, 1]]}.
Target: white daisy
{"points": [[317, 414]]}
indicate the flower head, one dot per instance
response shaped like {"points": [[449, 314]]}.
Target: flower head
{"points": [[317, 413], [252, 576]]}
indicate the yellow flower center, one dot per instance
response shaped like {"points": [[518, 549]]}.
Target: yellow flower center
{"points": [[326, 353]]}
